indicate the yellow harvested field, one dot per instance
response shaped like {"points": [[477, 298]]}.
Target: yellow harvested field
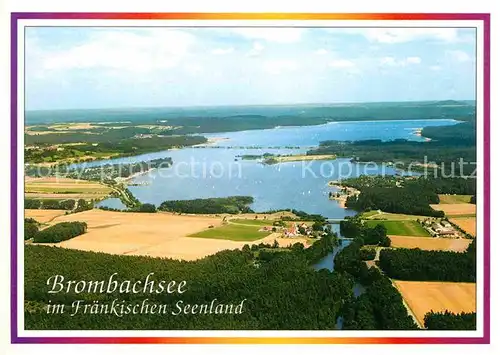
{"points": [[425, 243], [43, 216], [468, 224], [454, 199], [41, 196], [153, 234], [425, 296], [61, 188], [453, 209]]}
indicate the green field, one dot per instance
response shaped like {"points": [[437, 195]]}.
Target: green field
{"points": [[409, 228], [374, 215], [236, 232], [447, 199], [253, 222]]}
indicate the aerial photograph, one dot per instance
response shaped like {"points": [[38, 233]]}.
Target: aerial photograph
{"points": [[250, 178]]}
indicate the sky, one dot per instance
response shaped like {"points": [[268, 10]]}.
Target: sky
{"points": [[99, 67]]}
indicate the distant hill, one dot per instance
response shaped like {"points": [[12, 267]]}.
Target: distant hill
{"points": [[263, 116]]}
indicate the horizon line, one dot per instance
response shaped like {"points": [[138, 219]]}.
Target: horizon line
{"points": [[245, 105]]}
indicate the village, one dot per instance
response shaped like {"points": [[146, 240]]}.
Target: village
{"points": [[442, 228], [293, 229]]}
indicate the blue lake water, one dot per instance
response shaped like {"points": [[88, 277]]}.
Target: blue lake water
{"points": [[112, 202], [205, 172], [305, 136]]}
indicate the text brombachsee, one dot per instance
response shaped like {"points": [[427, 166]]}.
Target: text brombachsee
{"points": [[57, 283], [120, 308]]}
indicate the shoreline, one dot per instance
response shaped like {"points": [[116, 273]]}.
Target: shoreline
{"points": [[342, 198], [212, 141]]}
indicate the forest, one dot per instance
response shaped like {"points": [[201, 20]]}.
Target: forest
{"points": [[407, 200], [438, 185], [408, 195], [450, 321], [231, 205], [31, 228], [60, 232], [283, 293], [381, 305], [53, 204], [423, 265], [353, 227], [49, 204]]}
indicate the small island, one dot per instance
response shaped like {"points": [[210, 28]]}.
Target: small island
{"points": [[270, 159]]}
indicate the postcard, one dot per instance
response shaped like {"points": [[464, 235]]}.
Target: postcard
{"points": [[250, 178]]}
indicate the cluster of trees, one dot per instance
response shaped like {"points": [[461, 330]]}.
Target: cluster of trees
{"points": [[405, 199], [450, 321], [284, 293], [231, 204], [53, 204], [60, 232], [300, 216], [422, 265], [84, 205], [353, 227], [30, 228], [49, 204], [367, 253]]}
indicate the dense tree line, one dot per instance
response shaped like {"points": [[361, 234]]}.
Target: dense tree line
{"points": [[60, 232], [381, 305], [84, 205], [445, 185], [379, 308], [367, 253], [304, 216], [407, 200], [30, 228], [320, 248], [49, 204], [464, 132], [145, 207], [232, 205], [423, 265], [450, 321], [438, 185], [353, 227], [285, 293]]}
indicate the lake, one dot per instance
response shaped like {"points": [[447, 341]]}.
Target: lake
{"points": [[217, 171]]}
